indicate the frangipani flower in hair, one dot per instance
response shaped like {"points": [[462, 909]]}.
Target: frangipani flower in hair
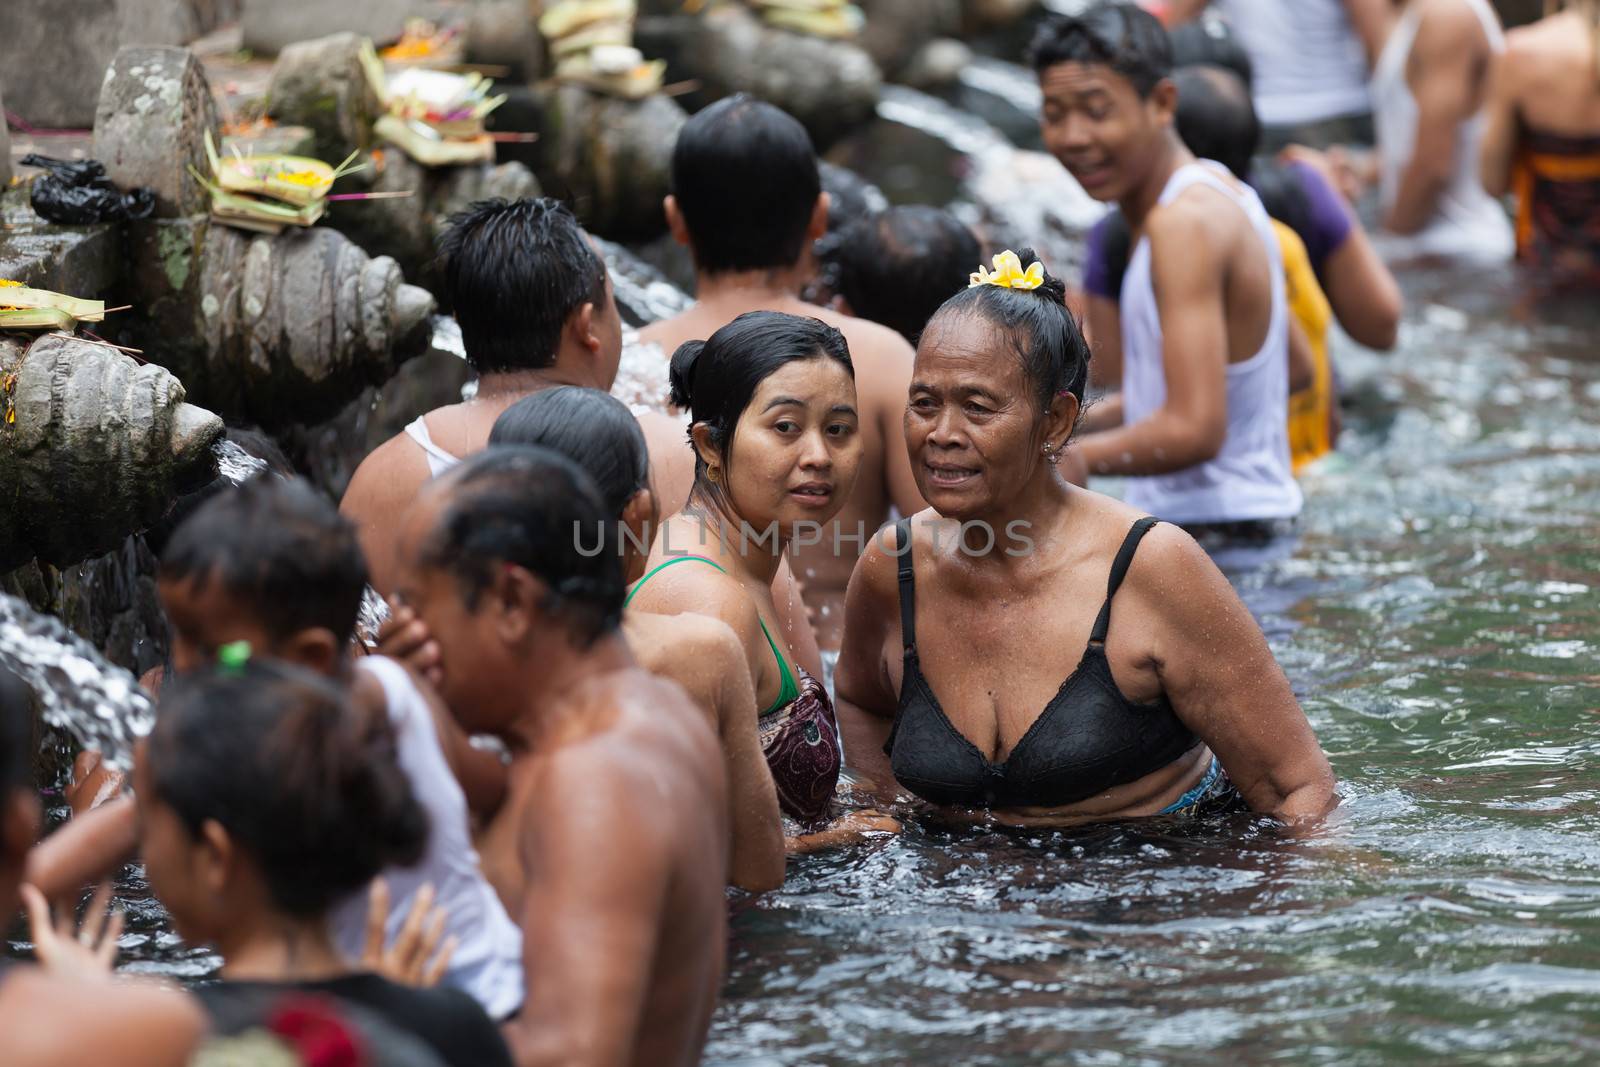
{"points": [[1008, 273]]}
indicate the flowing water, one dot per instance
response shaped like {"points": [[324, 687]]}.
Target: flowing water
{"points": [[1439, 615], [77, 689]]}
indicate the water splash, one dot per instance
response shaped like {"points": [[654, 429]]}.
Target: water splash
{"points": [[1017, 197], [78, 689], [234, 463], [370, 617], [447, 335], [643, 294]]}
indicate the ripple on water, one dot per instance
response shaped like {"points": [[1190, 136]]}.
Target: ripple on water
{"points": [[1438, 615]]}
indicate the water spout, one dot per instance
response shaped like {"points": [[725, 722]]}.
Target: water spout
{"points": [[234, 463], [78, 690]]}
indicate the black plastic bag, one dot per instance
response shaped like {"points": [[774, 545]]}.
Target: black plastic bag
{"points": [[77, 192]]}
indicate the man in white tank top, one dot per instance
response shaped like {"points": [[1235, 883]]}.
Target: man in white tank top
{"points": [[1427, 95], [1200, 426], [1310, 60]]}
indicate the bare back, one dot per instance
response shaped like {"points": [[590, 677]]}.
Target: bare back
{"points": [[388, 479], [1551, 72], [882, 360], [611, 852], [706, 658]]}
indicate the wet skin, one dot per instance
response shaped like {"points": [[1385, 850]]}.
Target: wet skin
{"points": [[793, 458], [883, 368], [1211, 273], [611, 848], [997, 633]]}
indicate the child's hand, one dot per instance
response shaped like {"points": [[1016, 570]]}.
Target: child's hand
{"points": [[78, 954], [405, 637], [411, 959]]}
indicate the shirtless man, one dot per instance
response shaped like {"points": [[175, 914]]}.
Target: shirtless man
{"points": [[748, 202], [1201, 424], [535, 305], [611, 846]]}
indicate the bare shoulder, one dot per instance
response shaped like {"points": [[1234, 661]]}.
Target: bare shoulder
{"points": [[1447, 23], [872, 346], [696, 588], [386, 480], [1195, 220], [692, 649], [672, 332], [1173, 574], [53, 1021]]}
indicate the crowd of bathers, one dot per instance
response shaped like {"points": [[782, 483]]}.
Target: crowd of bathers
{"points": [[850, 572]]}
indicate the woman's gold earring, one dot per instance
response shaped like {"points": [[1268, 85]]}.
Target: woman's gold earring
{"points": [[711, 473]]}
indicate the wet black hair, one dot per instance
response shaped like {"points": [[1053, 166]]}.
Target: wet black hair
{"points": [[715, 379], [593, 429], [309, 786], [279, 547], [16, 734], [1119, 35], [898, 268], [745, 177], [534, 508], [1209, 41], [514, 271], [1216, 118], [1039, 328]]}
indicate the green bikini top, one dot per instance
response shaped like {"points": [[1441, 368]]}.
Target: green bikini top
{"points": [[788, 691]]}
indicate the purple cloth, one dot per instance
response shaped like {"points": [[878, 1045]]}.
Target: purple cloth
{"points": [[1097, 280], [1324, 225], [1329, 222]]}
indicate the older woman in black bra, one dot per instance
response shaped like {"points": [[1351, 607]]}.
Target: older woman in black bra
{"points": [[1041, 651]]}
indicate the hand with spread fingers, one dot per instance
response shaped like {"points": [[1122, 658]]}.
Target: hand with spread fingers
{"points": [[85, 953], [415, 957]]}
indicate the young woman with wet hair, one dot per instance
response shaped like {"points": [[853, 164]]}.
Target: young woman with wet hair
{"points": [[963, 622], [597, 432], [777, 445], [264, 802]]}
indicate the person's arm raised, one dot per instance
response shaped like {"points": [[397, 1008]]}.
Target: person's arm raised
{"points": [[1216, 669], [1190, 427], [591, 918], [87, 849], [1446, 55], [866, 700]]}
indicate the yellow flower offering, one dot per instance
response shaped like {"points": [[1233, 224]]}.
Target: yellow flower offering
{"points": [[308, 178], [1008, 273]]}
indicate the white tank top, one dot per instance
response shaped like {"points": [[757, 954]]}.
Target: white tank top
{"points": [[487, 963], [1250, 478], [1309, 63], [439, 460], [1467, 222]]}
